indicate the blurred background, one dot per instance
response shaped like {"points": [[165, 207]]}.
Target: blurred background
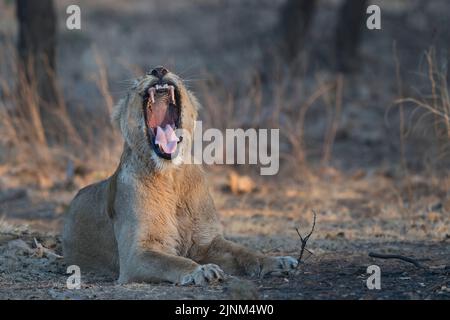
{"points": [[342, 95], [363, 118], [363, 114]]}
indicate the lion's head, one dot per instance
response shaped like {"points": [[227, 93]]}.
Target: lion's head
{"points": [[156, 117]]}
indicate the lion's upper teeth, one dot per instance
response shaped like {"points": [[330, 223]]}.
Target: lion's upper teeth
{"points": [[165, 87], [152, 94], [162, 87]]}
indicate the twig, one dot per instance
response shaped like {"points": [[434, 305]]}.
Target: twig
{"points": [[304, 240], [41, 251], [416, 263]]}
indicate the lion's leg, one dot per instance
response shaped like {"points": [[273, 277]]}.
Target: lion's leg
{"points": [[142, 263], [152, 266], [236, 259]]}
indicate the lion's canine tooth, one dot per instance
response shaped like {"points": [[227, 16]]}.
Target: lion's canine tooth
{"points": [[152, 94], [172, 93]]}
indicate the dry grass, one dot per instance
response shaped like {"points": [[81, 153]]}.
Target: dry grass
{"points": [[434, 104], [27, 143], [85, 137], [281, 104]]}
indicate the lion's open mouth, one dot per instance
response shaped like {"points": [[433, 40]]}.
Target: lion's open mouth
{"points": [[162, 117]]}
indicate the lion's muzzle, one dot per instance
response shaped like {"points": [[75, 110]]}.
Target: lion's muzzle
{"points": [[162, 114]]}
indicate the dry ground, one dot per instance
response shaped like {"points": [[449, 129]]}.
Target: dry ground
{"points": [[356, 214]]}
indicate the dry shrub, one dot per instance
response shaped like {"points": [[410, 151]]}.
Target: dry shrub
{"points": [[29, 141], [282, 102], [431, 113], [435, 106], [275, 104]]}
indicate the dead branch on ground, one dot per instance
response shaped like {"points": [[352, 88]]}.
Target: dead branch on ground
{"points": [[416, 263], [305, 239]]}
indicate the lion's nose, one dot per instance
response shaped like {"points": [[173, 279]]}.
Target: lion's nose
{"points": [[159, 72]]}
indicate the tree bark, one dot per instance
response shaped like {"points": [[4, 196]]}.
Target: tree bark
{"points": [[350, 24], [295, 20], [36, 47]]}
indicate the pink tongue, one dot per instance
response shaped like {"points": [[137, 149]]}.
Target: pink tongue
{"points": [[166, 139]]}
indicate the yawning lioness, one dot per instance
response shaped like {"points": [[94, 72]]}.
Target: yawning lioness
{"points": [[154, 220]]}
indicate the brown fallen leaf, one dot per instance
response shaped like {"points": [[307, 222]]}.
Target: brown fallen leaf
{"points": [[433, 216], [240, 184]]}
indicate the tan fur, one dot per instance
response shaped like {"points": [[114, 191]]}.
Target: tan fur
{"points": [[154, 219]]}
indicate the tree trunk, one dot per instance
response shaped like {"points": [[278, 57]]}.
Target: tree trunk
{"points": [[295, 19], [351, 22], [36, 47]]}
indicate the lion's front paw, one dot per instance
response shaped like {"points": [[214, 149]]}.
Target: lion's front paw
{"points": [[278, 265], [203, 275]]}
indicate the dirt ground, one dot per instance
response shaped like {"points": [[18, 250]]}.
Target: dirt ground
{"points": [[348, 227]]}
